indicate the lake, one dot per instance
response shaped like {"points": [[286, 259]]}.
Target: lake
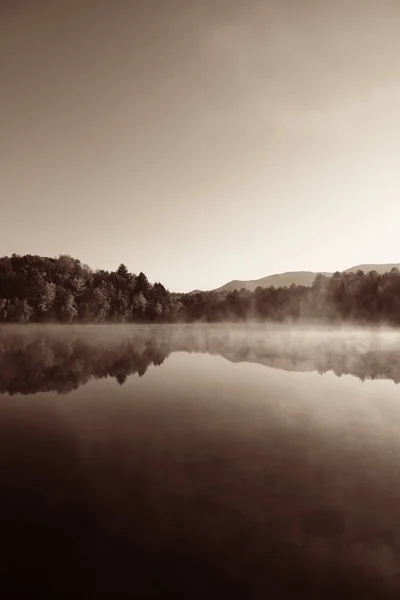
{"points": [[199, 462]]}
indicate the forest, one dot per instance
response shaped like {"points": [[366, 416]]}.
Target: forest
{"points": [[63, 290]]}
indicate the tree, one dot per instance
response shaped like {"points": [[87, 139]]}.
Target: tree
{"points": [[142, 284], [319, 281], [3, 311], [68, 306], [122, 271], [99, 304], [139, 304], [47, 296], [24, 311]]}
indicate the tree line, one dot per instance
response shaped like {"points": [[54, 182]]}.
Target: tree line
{"points": [[40, 289]]}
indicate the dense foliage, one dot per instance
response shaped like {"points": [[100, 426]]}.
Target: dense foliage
{"points": [[34, 288], [39, 289]]}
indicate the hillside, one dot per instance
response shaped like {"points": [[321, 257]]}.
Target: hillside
{"points": [[299, 277], [385, 268], [277, 280]]}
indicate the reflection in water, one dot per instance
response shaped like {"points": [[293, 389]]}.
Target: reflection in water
{"points": [[204, 479], [61, 359]]}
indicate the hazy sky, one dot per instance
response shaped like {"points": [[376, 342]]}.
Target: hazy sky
{"points": [[201, 141]]}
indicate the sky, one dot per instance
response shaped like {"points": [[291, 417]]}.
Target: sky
{"points": [[201, 141]]}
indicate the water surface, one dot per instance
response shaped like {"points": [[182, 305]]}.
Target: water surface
{"points": [[200, 462]]}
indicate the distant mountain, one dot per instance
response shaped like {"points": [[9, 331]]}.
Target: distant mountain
{"points": [[298, 278], [278, 280], [380, 269]]}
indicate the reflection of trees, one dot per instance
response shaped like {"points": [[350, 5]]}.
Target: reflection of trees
{"points": [[366, 356], [50, 360], [61, 359]]}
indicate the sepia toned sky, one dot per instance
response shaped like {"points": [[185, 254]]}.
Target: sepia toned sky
{"points": [[201, 141]]}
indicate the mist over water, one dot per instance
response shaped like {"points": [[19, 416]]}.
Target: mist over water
{"points": [[200, 461], [61, 358]]}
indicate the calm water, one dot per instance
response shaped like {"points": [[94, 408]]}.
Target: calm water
{"points": [[199, 462]]}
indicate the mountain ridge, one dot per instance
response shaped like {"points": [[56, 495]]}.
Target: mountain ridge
{"points": [[304, 278]]}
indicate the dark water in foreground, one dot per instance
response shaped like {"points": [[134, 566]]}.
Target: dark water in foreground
{"points": [[199, 463]]}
